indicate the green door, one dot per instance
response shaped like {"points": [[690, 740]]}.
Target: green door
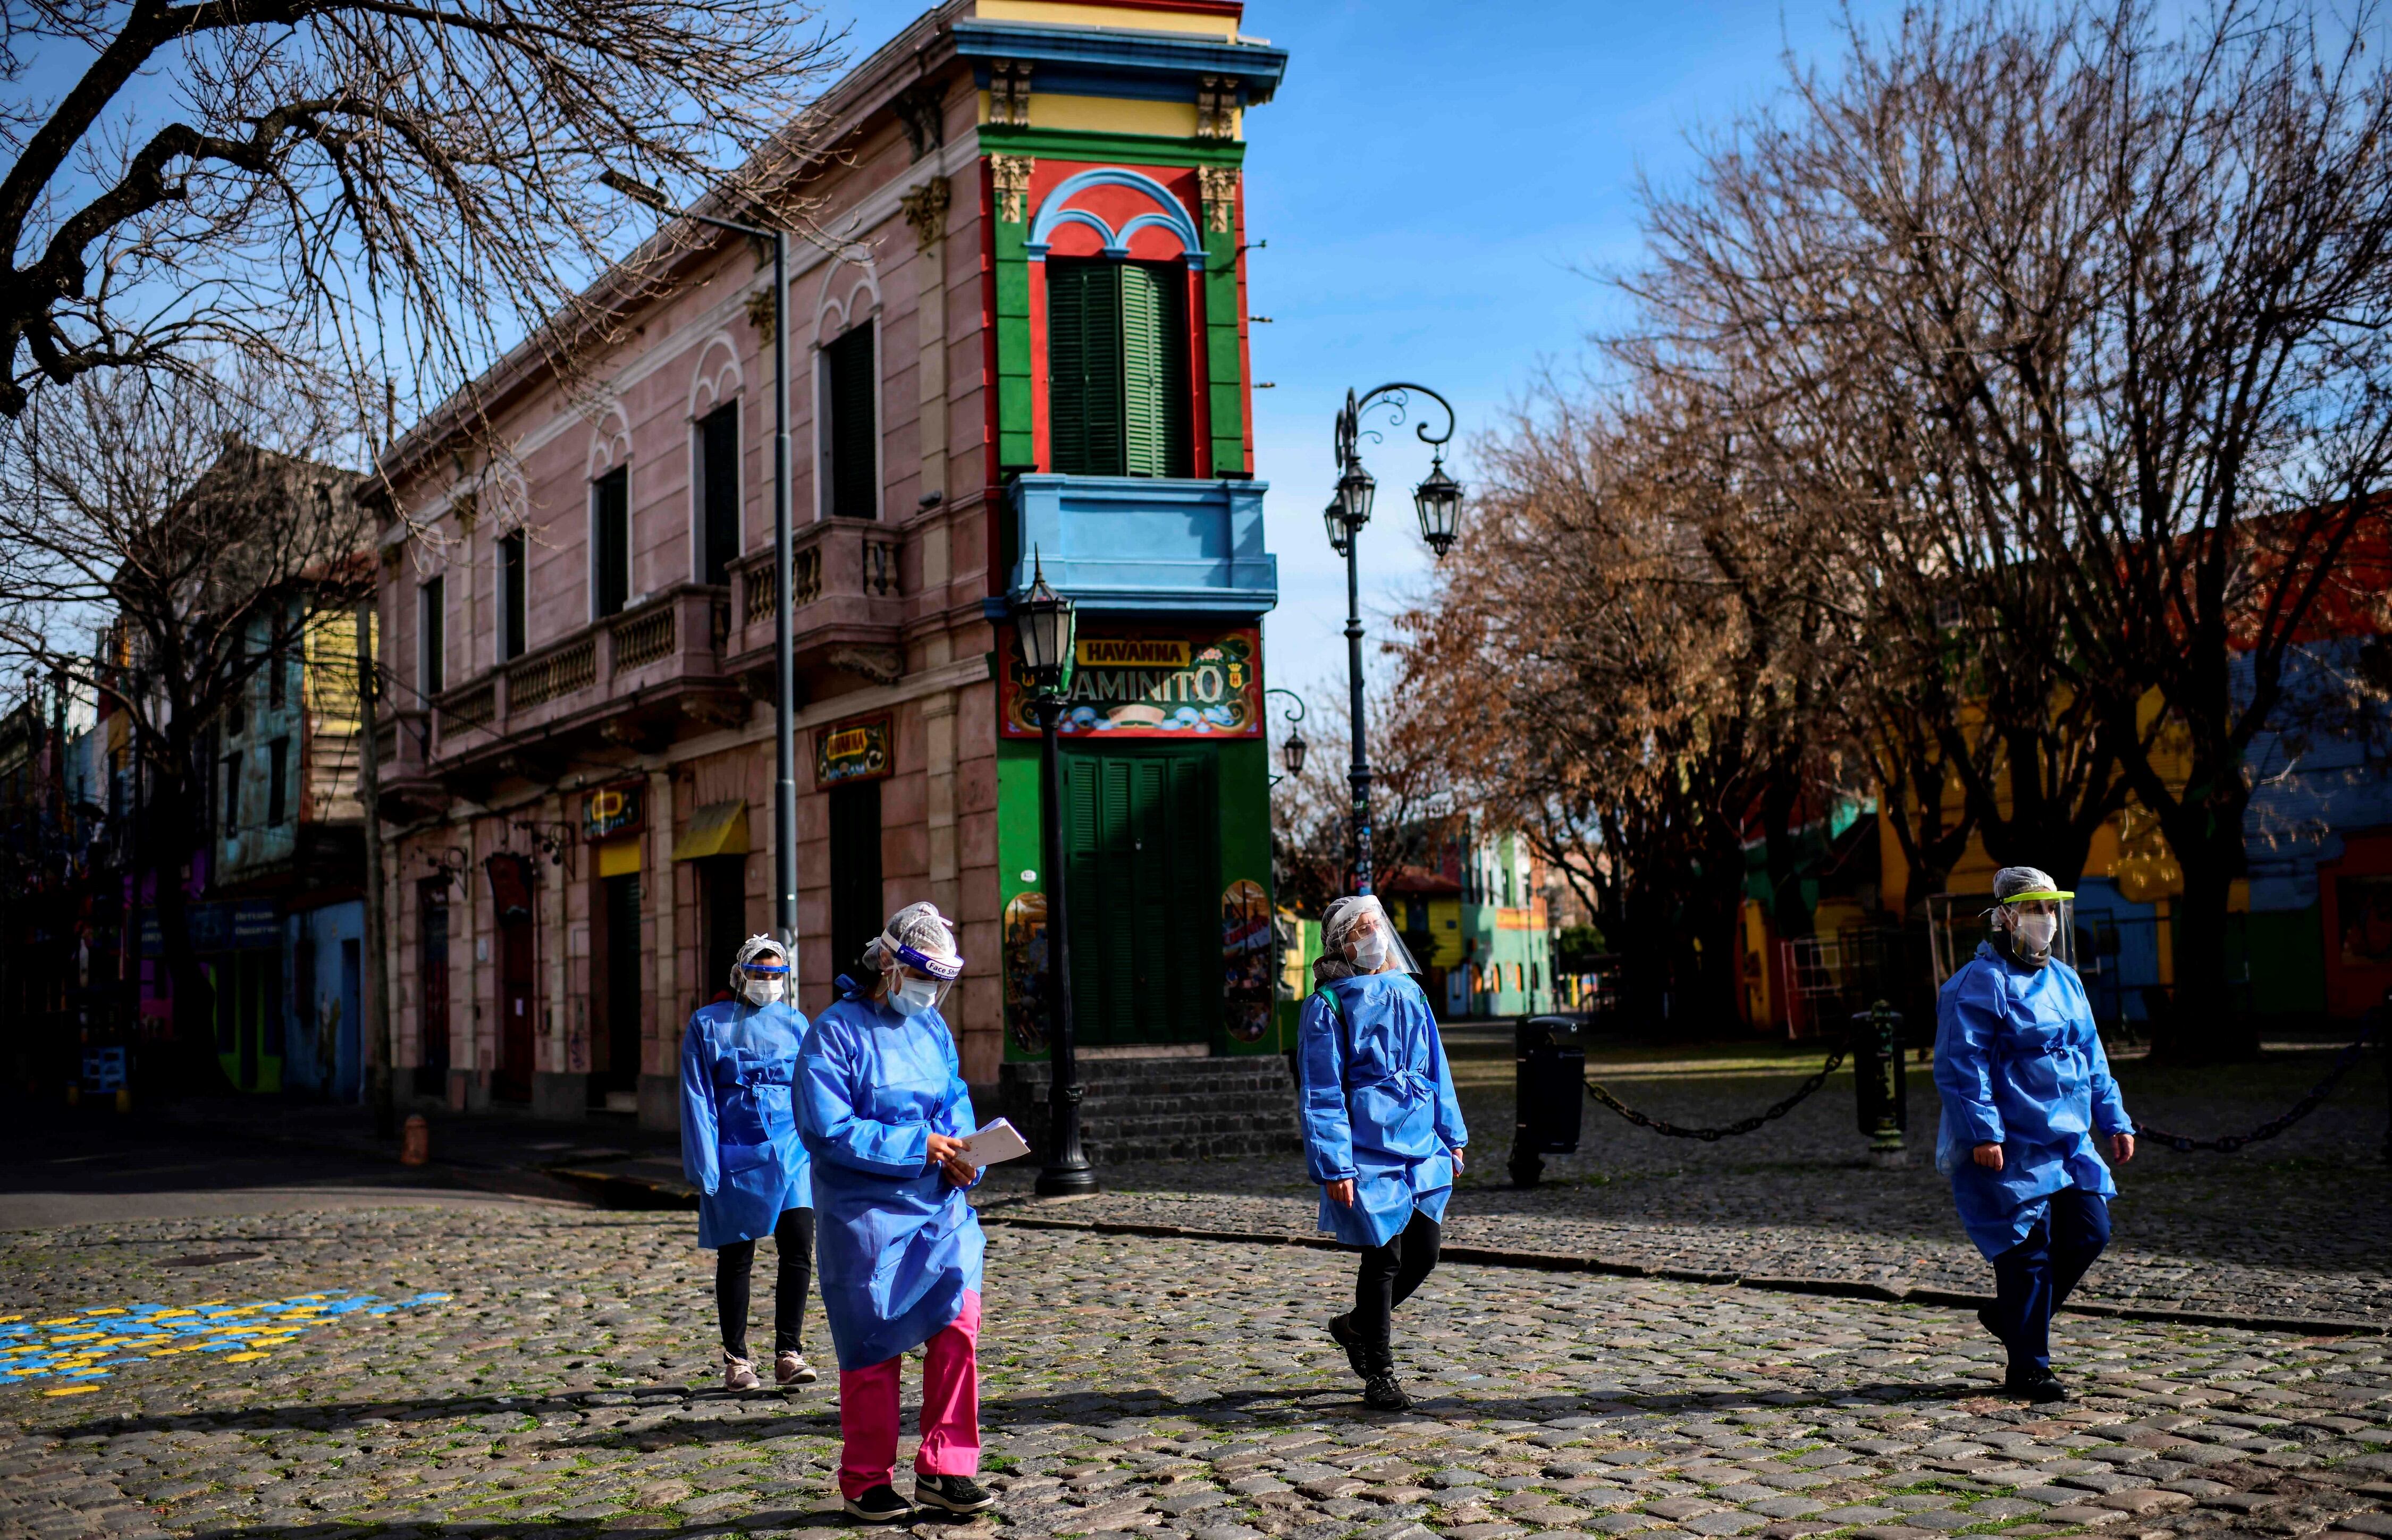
{"points": [[1144, 868]]}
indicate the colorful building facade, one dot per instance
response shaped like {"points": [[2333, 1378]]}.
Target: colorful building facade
{"points": [[1023, 353]]}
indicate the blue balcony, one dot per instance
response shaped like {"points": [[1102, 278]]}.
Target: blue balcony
{"points": [[1136, 543]]}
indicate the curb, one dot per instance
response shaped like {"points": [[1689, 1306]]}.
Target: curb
{"points": [[1847, 1289], [626, 1192]]}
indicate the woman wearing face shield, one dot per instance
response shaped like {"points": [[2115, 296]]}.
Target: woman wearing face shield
{"points": [[1382, 1133], [739, 1148], [883, 1110], [2025, 1087]]}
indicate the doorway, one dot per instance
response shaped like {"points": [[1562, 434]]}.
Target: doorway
{"points": [[617, 1059], [855, 914], [511, 1077], [1142, 853], [432, 985], [722, 916]]}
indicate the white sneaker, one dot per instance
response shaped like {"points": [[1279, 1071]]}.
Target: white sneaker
{"points": [[738, 1374], [791, 1368]]}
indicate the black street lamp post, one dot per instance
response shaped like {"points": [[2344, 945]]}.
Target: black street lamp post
{"points": [[785, 730], [1439, 501], [1045, 623]]}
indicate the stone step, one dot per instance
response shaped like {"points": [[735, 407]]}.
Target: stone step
{"points": [[1166, 1108]]}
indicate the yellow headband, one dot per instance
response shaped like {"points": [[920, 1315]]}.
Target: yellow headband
{"points": [[2051, 893]]}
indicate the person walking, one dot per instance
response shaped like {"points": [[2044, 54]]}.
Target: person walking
{"points": [[883, 1110], [1382, 1133], [739, 1148], [2025, 1086]]}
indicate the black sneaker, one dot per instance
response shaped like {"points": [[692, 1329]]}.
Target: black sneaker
{"points": [[1384, 1393], [879, 1506], [1341, 1331], [2039, 1386], [955, 1494]]}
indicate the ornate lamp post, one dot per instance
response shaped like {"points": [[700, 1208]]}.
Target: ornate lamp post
{"points": [[1295, 749], [785, 729], [1438, 499], [1044, 620]]}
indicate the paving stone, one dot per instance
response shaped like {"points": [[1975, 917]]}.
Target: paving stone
{"points": [[2366, 1523]]}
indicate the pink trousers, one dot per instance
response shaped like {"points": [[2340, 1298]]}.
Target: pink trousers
{"points": [[867, 1411]]}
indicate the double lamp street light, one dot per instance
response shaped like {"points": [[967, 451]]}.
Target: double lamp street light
{"points": [[1438, 499]]}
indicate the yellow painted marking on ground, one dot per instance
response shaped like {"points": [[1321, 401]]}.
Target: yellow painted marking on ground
{"points": [[72, 1390], [58, 1321], [111, 1310], [80, 1336], [244, 1357], [164, 1313]]}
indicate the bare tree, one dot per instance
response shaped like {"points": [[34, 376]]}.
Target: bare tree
{"points": [[2076, 341], [1628, 658], [1414, 812], [383, 190], [155, 550]]}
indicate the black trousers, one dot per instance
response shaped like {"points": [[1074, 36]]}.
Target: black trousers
{"points": [[793, 1236], [2033, 1278], [1389, 1274]]}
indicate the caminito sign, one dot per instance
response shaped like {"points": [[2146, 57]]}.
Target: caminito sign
{"points": [[1144, 685]]}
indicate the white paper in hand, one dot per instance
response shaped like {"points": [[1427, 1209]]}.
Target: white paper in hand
{"points": [[993, 1145]]}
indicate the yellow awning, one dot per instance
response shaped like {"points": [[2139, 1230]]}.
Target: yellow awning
{"points": [[717, 829], [620, 858]]}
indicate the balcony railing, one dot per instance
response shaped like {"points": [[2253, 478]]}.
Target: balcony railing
{"points": [[847, 582], [1140, 543], [537, 680]]}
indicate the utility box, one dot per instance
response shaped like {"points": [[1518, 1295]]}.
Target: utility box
{"points": [[1549, 1093], [1880, 1098]]}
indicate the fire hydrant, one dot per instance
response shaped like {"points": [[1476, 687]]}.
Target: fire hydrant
{"points": [[415, 1141]]}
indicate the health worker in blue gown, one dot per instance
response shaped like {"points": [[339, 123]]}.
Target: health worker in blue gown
{"points": [[883, 1111], [739, 1148], [1382, 1133], [2026, 1088]]}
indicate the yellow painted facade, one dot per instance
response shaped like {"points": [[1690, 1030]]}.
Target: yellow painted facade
{"points": [[1144, 19]]}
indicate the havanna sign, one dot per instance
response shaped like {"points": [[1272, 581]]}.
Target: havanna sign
{"points": [[1131, 684], [854, 750]]}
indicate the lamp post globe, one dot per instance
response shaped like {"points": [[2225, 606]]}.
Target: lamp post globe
{"points": [[1332, 519], [1293, 751], [1355, 490], [1439, 501], [1045, 621]]}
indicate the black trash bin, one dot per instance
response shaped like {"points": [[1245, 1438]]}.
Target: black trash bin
{"points": [[1549, 1093]]}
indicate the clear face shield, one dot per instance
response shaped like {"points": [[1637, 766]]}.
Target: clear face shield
{"points": [[759, 976], [2040, 925], [917, 957], [1360, 930]]}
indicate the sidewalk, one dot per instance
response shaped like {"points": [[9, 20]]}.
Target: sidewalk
{"points": [[609, 1160]]}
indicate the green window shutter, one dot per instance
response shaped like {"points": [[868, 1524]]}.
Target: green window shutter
{"points": [[1154, 370], [1084, 368]]}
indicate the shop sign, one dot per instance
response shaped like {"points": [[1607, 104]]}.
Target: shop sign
{"points": [[612, 812], [1137, 684], [863, 748], [246, 924]]}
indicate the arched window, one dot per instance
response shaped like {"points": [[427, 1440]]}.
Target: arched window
{"points": [[1119, 375]]}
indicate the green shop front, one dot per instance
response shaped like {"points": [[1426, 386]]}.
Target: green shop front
{"points": [[1165, 791]]}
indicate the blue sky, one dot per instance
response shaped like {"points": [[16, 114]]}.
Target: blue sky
{"points": [[1436, 182]]}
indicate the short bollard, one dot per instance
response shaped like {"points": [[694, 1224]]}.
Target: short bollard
{"points": [[1879, 1097], [1549, 1094], [415, 1141]]}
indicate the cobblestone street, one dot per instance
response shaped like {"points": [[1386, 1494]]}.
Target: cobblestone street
{"points": [[1163, 1387], [2293, 1231]]}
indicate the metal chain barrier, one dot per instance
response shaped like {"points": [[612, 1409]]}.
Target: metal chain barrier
{"points": [[2185, 1143], [1711, 1135]]}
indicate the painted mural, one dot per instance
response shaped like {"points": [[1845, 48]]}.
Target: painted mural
{"points": [[1137, 685]]}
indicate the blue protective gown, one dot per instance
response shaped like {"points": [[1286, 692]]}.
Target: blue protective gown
{"points": [[2019, 1065], [1378, 1105], [895, 1246], [738, 1133]]}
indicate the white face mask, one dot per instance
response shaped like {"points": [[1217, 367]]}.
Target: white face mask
{"points": [[2031, 934], [1371, 952], [763, 991], [912, 996]]}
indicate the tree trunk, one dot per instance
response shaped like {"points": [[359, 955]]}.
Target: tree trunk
{"points": [[2209, 1020]]}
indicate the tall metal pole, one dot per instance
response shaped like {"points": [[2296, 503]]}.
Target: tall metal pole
{"points": [[1067, 1170], [1359, 772], [785, 729]]}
